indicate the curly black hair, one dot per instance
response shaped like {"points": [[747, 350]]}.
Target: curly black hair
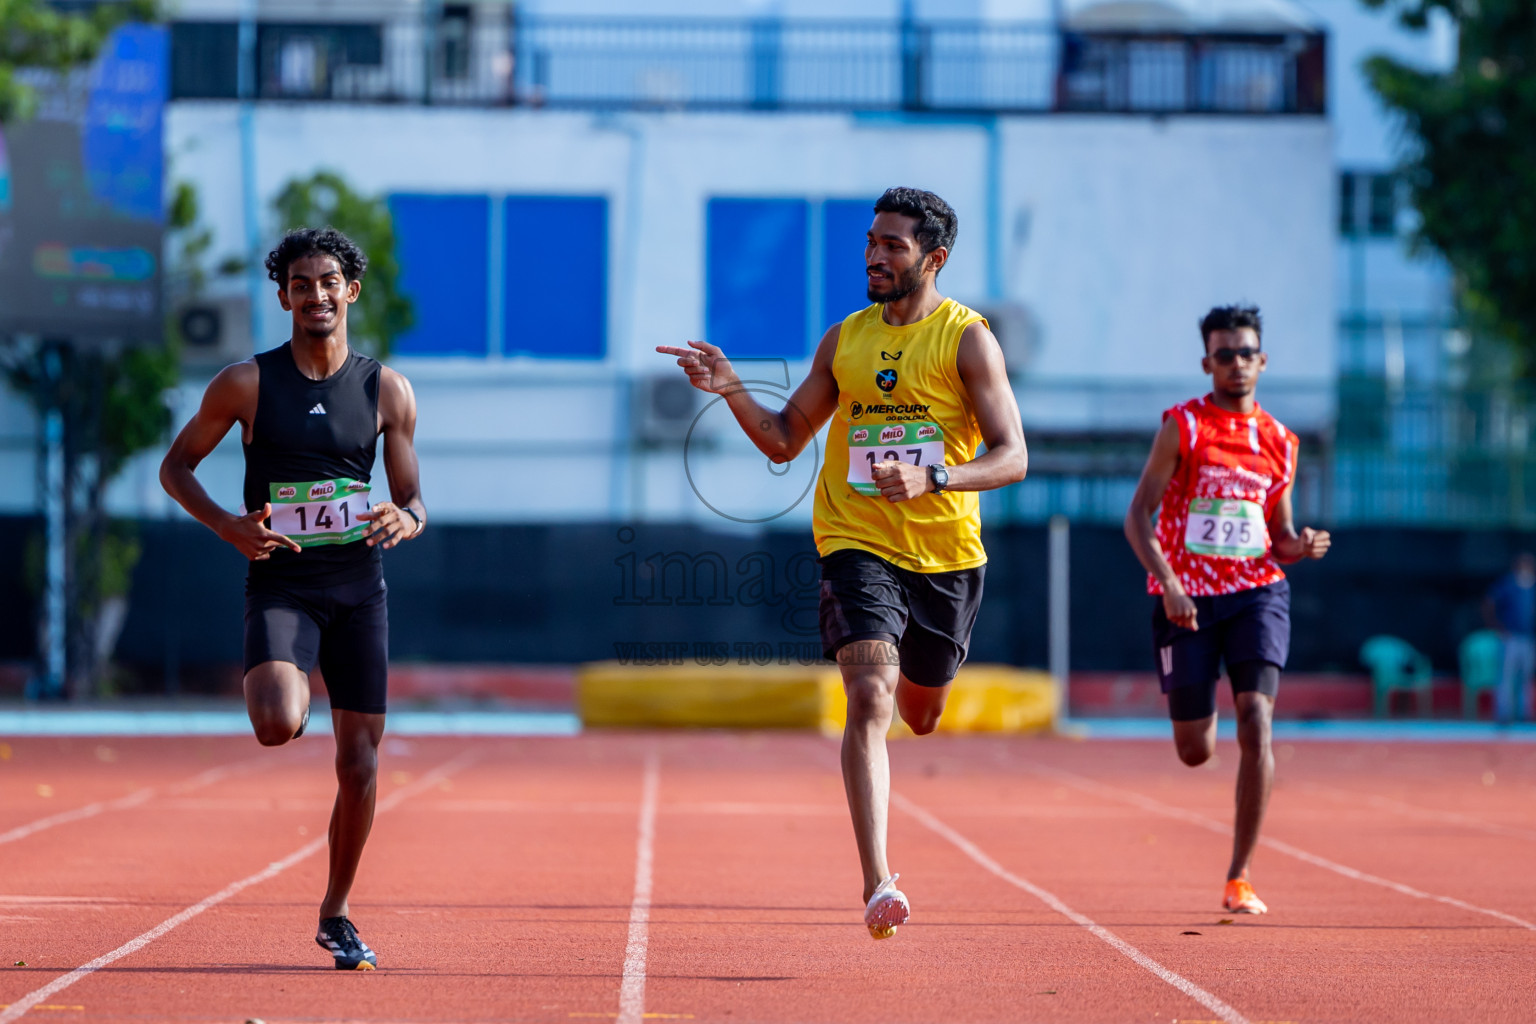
{"points": [[937, 224], [304, 242], [1230, 318]]}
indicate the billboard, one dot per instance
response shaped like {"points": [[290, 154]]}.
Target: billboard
{"points": [[82, 199]]}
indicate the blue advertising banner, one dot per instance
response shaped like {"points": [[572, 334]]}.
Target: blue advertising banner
{"points": [[81, 198]]}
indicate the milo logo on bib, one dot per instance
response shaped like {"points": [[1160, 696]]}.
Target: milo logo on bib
{"points": [[919, 443], [320, 511]]}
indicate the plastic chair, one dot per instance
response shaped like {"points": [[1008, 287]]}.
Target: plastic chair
{"points": [[1482, 662], [1396, 665]]}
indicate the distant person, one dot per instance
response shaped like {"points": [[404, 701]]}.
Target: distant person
{"points": [[917, 385], [1511, 609], [311, 413], [1218, 484]]}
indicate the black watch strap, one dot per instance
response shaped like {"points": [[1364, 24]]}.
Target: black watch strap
{"points": [[412, 513], [938, 476]]}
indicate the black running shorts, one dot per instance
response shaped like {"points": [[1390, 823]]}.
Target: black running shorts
{"points": [[1248, 626], [344, 628], [927, 615]]}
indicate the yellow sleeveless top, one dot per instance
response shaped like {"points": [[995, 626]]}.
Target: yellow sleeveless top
{"points": [[899, 396]]}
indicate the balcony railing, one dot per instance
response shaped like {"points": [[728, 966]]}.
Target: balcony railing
{"points": [[481, 56]]}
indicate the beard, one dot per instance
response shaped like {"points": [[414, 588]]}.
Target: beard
{"points": [[902, 285]]}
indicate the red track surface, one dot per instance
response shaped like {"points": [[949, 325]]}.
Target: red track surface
{"points": [[504, 892]]}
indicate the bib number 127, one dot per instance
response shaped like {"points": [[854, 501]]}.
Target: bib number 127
{"points": [[917, 444]]}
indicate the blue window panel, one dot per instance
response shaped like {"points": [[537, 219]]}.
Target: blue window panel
{"points": [[441, 245], [844, 227], [755, 276], [556, 282]]}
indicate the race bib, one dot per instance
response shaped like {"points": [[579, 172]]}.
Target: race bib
{"points": [[1226, 529], [320, 512], [921, 444]]}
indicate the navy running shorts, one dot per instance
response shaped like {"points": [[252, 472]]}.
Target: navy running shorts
{"points": [[343, 628], [1250, 625], [927, 615]]}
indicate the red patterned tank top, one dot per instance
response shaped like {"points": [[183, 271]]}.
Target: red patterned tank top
{"points": [[1213, 526]]}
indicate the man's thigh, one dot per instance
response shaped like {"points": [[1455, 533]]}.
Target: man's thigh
{"points": [[861, 599], [943, 608], [354, 647]]}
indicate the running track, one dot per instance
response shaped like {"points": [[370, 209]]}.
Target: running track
{"points": [[711, 877]]}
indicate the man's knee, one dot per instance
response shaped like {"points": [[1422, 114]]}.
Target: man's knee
{"points": [[1194, 752], [275, 730], [869, 698], [1254, 718], [357, 768], [921, 707]]}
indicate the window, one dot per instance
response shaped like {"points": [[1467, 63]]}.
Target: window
{"points": [[555, 284], [756, 268], [454, 41], [441, 243], [1367, 204]]}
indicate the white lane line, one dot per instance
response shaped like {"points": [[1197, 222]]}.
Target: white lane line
{"points": [[133, 799], [309, 849], [632, 992], [971, 850], [1146, 803], [1408, 810]]}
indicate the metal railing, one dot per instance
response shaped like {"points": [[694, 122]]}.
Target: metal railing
{"points": [[482, 56]]}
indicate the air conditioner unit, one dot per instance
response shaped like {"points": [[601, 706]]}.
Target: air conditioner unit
{"points": [[215, 331], [664, 408]]}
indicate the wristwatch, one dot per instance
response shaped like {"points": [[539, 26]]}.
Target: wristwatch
{"points": [[412, 513], [938, 476]]}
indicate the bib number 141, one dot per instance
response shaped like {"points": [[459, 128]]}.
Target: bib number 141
{"points": [[320, 511]]}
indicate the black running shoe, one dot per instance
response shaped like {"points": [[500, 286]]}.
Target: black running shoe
{"points": [[338, 936], [304, 724]]}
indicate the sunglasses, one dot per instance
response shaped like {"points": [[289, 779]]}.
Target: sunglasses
{"points": [[1228, 356]]}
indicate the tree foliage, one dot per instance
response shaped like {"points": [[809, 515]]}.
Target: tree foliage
{"points": [[34, 34], [1471, 166], [324, 199]]}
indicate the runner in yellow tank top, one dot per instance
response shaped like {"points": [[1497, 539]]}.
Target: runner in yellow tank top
{"points": [[914, 386]]}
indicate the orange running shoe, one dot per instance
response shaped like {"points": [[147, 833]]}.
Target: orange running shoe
{"points": [[1241, 899]]}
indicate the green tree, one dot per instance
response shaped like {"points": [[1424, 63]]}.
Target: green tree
{"points": [[113, 403], [1471, 163], [35, 35], [325, 199]]}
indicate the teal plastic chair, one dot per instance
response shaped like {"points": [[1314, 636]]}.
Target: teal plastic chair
{"points": [[1482, 661], [1396, 665]]}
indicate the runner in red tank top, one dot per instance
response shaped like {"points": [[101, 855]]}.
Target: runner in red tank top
{"points": [[1218, 484]]}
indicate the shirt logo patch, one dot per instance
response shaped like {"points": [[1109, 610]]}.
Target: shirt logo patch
{"points": [[856, 410], [884, 355], [885, 380], [318, 410]]}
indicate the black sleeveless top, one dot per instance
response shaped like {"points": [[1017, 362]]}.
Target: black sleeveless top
{"points": [[309, 430]]}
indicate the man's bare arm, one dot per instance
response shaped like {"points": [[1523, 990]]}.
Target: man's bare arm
{"points": [[1287, 544], [388, 523], [230, 399], [779, 434], [1006, 460], [1159, 470]]}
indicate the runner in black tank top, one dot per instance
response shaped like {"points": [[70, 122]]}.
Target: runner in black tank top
{"points": [[311, 413]]}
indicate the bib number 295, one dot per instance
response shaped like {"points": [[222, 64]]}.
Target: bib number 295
{"points": [[1226, 529]]}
